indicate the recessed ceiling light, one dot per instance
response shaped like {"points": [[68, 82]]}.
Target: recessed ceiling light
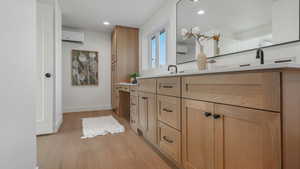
{"points": [[195, 0], [201, 12], [106, 23]]}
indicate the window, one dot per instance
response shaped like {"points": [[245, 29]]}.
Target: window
{"points": [[158, 49], [153, 51], [162, 48]]}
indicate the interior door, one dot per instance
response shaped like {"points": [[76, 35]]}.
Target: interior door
{"points": [[45, 69], [246, 138], [197, 135]]}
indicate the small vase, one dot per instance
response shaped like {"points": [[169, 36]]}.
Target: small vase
{"points": [[133, 80], [201, 58]]}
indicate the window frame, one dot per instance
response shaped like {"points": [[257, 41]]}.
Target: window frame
{"points": [[157, 34]]}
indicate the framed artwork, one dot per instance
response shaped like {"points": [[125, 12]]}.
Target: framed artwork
{"points": [[85, 68]]}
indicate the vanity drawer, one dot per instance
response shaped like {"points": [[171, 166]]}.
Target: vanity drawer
{"points": [[134, 90], [169, 86], [147, 85], [254, 90], [169, 111], [170, 142], [133, 100], [124, 88]]}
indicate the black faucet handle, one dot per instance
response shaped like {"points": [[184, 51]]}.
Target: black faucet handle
{"points": [[260, 55]]}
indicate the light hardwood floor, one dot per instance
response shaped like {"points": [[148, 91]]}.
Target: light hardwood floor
{"points": [[65, 150]]}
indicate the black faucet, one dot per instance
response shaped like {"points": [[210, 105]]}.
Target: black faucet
{"points": [[170, 66], [260, 55]]}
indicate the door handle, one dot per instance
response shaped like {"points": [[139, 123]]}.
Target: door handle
{"points": [[48, 75]]}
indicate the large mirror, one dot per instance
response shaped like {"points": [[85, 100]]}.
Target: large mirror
{"points": [[233, 26]]}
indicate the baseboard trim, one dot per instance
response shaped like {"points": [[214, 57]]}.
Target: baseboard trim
{"points": [[90, 108], [58, 124]]}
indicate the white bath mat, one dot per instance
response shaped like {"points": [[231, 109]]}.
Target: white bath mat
{"points": [[99, 126]]}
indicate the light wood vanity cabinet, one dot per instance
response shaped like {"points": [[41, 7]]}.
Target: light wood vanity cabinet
{"points": [[239, 120], [124, 58]]}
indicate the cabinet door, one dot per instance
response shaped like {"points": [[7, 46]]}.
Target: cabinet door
{"points": [[143, 113], [148, 117], [134, 112], [197, 133], [127, 52], [114, 46], [114, 88], [246, 138], [115, 98]]}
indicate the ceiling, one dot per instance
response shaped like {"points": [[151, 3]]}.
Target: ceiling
{"points": [[90, 14]]}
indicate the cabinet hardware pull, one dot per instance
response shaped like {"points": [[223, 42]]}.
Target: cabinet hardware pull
{"points": [[186, 87], [167, 87], [216, 116], [167, 110], [159, 106], [168, 140], [207, 114]]}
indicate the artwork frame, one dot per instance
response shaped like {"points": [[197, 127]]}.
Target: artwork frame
{"points": [[84, 68]]}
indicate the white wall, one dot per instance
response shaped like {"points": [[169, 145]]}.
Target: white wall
{"points": [[165, 17], [167, 14], [17, 88], [282, 18], [88, 98]]}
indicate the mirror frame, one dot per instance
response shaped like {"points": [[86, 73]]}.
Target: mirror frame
{"points": [[233, 53]]}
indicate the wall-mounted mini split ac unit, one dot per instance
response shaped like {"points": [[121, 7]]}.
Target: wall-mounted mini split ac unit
{"points": [[74, 37]]}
